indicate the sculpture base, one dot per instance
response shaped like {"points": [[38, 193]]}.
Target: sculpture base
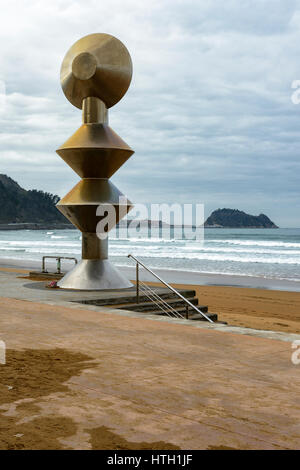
{"points": [[94, 274]]}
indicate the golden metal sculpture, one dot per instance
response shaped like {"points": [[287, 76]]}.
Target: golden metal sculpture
{"points": [[95, 74]]}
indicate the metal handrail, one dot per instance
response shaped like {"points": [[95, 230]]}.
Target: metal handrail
{"points": [[152, 298], [159, 301], [166, 284], [58, 258]]}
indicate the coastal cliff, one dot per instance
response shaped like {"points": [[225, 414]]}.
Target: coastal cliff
{"points": [[27, 209]]}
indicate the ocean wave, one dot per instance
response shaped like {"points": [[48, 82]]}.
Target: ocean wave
{"points": [[190, 250], [21, 250], [241, 250], [214, 257], [148, 240], [49, 251], [257, 243], [215, 272], [38, 243], [263, 256]]}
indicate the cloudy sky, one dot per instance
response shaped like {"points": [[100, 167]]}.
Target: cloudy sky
{"points": [[208, 113]]}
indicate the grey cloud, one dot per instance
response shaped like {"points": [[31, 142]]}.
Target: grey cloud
{"points": [[208, 113]]}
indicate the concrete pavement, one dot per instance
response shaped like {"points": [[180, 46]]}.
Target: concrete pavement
{"points": [[119, 380]]}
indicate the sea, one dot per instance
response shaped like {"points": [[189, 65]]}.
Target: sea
{"points": [[267, 253]]}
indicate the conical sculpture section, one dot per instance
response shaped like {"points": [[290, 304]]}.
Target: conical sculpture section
{"points": [[95, 74]]}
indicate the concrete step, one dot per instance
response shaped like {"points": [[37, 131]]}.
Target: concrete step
{"points": [[193, 315], [131, 298], [198, 317], [151, 306], [127, 301]]}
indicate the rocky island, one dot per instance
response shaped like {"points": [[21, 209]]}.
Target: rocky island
{"points": [[233, 218]]}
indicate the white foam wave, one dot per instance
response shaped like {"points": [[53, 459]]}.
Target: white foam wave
{"points": [[51, 252], [147, 240], [213, 257], [22, 250], [257, 243], [250, 256], [241, 250], [37, 243]]}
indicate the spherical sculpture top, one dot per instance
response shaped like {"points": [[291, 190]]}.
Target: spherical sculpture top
{"points": [[97, 65]]}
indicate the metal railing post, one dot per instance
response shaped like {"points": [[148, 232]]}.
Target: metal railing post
{"points": [[137, 283], [43, 265], [58, 265], [187, 312], [58, 259]]}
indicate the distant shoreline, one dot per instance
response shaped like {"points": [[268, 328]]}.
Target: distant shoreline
{"points": [[66, 226], [254, 228], [36, 226]]}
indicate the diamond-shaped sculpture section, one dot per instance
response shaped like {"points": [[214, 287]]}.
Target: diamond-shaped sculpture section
{"points": [[95, 74]]}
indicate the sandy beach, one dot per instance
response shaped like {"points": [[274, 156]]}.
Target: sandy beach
{"points": [[253, 308], [261, 309]]}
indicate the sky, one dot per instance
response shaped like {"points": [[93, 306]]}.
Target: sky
{"points": [[208, 112]]}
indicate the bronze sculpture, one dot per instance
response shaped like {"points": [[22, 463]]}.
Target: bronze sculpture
{"points": [[95, 74]]}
